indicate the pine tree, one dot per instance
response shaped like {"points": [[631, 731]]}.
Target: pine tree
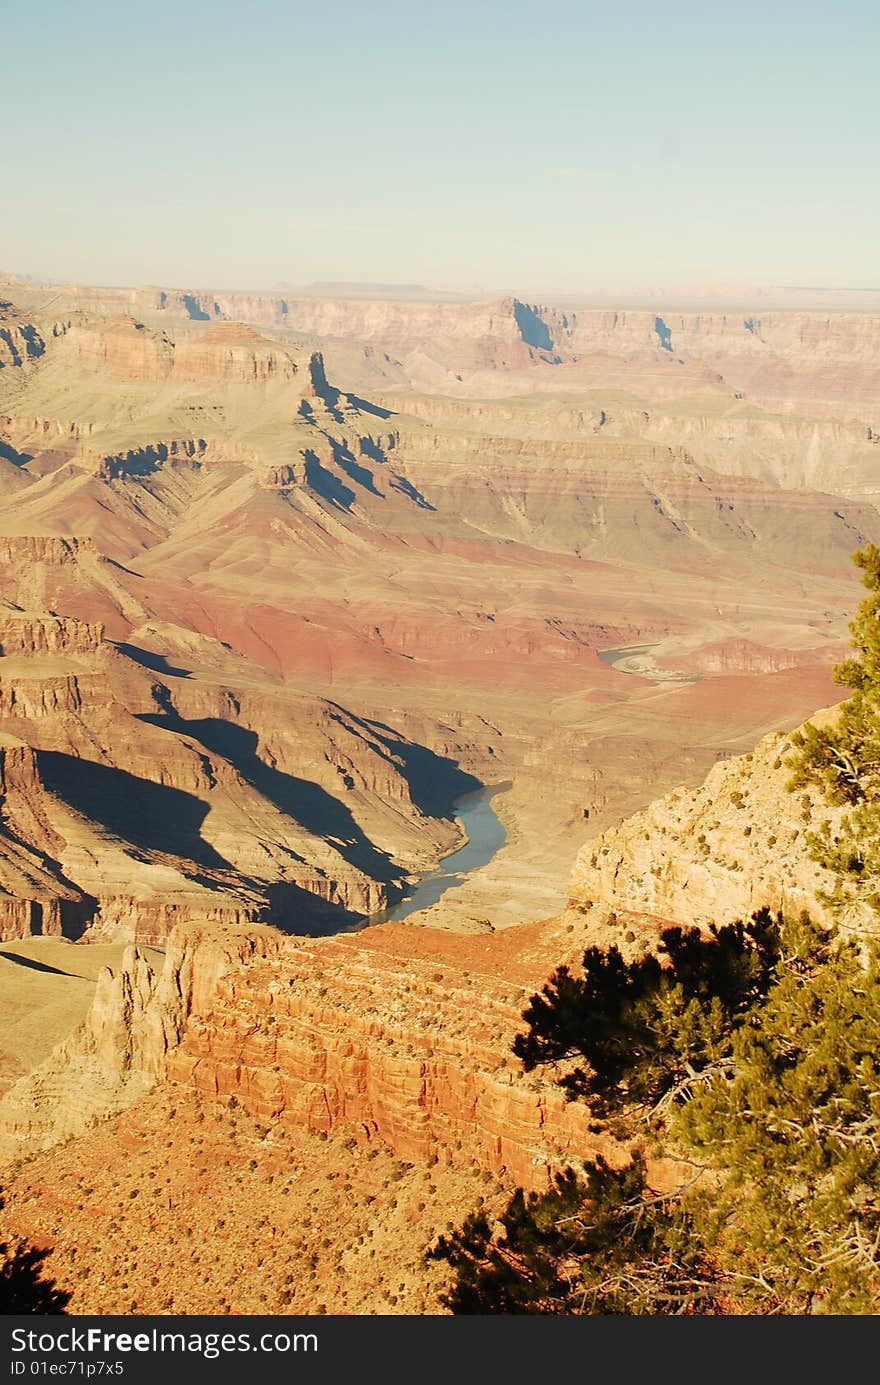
{"points": [[781, 1212], [601, 1243], [754, 1054], [794, 1128], [843, 760], [649, 1028], [646, 1035]]}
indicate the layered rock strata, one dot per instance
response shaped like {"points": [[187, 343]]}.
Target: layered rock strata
{"points": [[130, 802], [410, 1047], [718, 852], [119, 1052], [392, 1033]]}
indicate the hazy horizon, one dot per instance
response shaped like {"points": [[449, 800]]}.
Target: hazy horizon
{"points": [[467, 148], [627, 297], [368, 668], [452, 289]]}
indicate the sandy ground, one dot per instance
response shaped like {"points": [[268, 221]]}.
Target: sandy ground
{"points": [[187, 1205], [46, 988]]}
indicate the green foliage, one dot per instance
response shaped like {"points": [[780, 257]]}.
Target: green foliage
{"points": [[795, 1125], [778, 1208], [751, 1055], [598, 1244], [843, 759], [649, 1028]]}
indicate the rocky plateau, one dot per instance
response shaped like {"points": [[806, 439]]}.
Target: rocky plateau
{"points": [[282, 579]]}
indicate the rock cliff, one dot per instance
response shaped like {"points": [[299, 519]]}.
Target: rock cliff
{"points": [[123, 347], [129, 801], [20, 340], [45, 634], [127, 350], [400, 1034], [818, 363], [35, 895], [137, 1016], [718, 852], [232, 351], [380, 1030]]}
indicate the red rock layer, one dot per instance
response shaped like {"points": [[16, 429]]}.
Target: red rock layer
{"points": [[405, 1032], [123, 347], [231, 351]]}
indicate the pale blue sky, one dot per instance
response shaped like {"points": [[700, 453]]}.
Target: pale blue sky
{"points": [[499, 144]]}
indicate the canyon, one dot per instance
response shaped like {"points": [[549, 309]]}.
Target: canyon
{"points": [[282, 580]]}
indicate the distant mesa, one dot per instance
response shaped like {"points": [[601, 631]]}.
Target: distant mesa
{"points": [[379, 292], [130, 350], [233, 351], [123, 346]]}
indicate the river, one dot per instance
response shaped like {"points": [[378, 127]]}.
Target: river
{"points": [[636, 659], [485, 837]]}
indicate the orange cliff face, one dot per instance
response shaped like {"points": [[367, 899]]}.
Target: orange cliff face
{"points": [[232, 351], [395, 1032], [398, 1035]]}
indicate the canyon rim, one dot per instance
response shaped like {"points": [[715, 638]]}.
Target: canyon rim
{"points": [[283, 582], [433, 450]]}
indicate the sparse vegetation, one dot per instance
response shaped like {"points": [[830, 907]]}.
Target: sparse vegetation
{"points": [[842, 760], [762, 1084], [750, 1057], [107, 1255], [25, 1286]]}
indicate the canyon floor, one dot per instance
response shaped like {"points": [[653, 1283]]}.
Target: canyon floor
{"points": [[281, 581]]}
